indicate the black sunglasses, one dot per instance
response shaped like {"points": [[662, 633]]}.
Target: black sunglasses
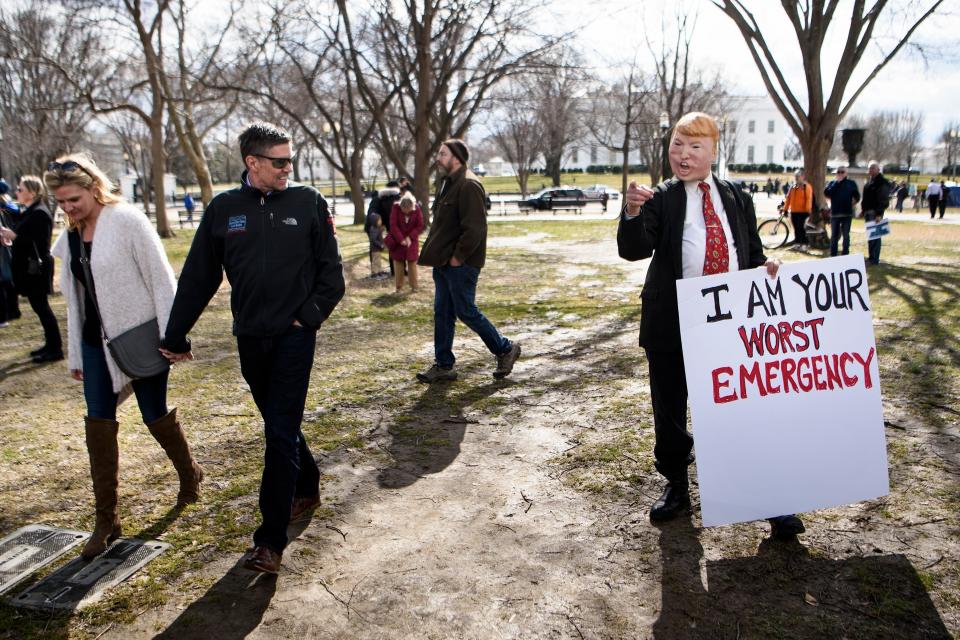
{"points": [[278, 163], [67, 166]]}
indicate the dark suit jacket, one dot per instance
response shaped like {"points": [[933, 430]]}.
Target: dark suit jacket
{"points": [[658, 231]]}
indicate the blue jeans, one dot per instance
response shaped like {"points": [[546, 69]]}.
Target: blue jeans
{"points": [[838, 227], [455, 297], [278, 372], [98, 389]]}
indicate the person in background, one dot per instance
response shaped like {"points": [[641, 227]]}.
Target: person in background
{"points": [[9, 300], [132, 284], [32, 263], [374, 229], [932, 195], [876, 199], [843, 194], [944, 196], [456, 248], [799, 204], [406, 225], [189, 206], [902, 193]]}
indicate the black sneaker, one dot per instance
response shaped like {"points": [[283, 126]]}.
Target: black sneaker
{"points": [[505, 361], [436, 373]]}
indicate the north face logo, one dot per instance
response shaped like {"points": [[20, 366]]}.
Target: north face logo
{"points": [[290, 221]]}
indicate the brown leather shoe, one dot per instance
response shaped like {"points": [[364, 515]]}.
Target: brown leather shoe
{"points": [[262, 559], [303, 505]]}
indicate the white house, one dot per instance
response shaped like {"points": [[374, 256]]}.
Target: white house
{"points": [[757, 133]]}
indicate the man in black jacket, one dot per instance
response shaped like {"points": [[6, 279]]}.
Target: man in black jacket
{"points": [[692, 225], [876, 199], [275, 241]]}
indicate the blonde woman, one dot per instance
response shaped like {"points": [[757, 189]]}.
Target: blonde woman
{"points": [[406, 224], [132, 283]]}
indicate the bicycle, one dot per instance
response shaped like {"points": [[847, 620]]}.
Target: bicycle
{"points": [[775, 233]]}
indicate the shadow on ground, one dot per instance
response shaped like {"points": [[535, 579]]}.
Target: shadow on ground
{"points": [[931, 295], [785, 592], [244, 594], [426, 439]]}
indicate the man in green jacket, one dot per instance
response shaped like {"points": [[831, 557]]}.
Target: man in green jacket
{"points": [[456, 249]]}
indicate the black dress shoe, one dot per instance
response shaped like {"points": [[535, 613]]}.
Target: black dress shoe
{"points": [[785, 527], [37, 352], [48, 356], [674, 502]]}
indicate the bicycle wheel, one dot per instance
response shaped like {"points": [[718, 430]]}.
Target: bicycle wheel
{"points": [[773, 233]]}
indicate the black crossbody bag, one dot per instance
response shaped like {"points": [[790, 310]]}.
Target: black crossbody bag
{"points": [[136, 350]]}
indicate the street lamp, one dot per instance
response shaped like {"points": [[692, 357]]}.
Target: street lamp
{"points": [[330, 134], [665, 143]]}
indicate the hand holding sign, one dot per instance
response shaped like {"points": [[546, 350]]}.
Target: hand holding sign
{"points": [[636, 196]]}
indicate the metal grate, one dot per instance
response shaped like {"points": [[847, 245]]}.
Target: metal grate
{"points": [[32, 547], [80, 583]]}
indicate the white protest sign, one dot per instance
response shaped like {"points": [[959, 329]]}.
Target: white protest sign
{"points": [[784, 389]]}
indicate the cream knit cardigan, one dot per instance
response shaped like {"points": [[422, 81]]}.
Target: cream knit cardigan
{"points": [[132, 276]]}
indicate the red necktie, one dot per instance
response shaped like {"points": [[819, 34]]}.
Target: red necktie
{"points": [[717, 258]]}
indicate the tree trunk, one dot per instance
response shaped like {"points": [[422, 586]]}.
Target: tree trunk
{"points": [[156, 155], [625, 167], [552, 169], [523, 176], [355, 180], [816, 151]]}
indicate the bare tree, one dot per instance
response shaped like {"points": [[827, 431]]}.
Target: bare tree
{"points": [[617, 113], [188, 86], [906, 130], [517, 132], [444, 57], [558, 93], [302, 67], [682, 88], [39, 114], [814, 124], [136, 85]]}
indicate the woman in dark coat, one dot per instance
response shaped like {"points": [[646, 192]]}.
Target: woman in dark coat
{"points": [[32, 263], [406, 224]]}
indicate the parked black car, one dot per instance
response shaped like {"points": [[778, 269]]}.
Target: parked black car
{"points": [[556, 198]]}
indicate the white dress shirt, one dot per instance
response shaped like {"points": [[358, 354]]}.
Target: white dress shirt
{"points": [[694, 247]]}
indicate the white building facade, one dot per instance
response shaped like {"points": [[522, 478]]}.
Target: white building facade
{"points": [[754, 133], [757, 133]]}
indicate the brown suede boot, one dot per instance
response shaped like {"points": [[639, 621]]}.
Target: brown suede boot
{"points": [[104, 462], [168, 433]]}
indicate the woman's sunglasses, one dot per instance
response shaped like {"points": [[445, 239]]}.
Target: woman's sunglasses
{"points": [[66, 167]]}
